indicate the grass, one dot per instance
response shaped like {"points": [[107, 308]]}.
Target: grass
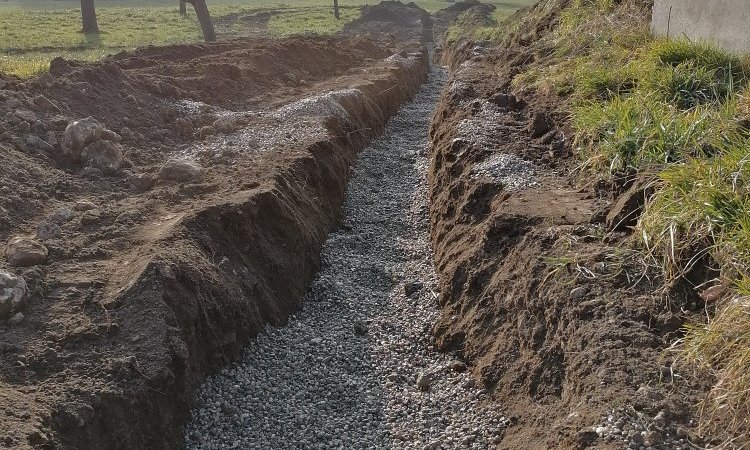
{"points": [[677, 106], [681, 109]]}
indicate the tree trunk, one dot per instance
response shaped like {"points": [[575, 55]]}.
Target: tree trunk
{"points": [[336, 9], [204, 17], [183, 8], [88, 15]]}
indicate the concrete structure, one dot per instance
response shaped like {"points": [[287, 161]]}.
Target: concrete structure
{"points": [[724, 22]]}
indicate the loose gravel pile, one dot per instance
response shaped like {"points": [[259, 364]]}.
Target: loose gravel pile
{"points": [[356, 368]]}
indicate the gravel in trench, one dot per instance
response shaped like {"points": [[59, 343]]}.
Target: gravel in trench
{"points": [[356, 367]]}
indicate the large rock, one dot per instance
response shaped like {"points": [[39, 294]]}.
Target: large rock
{"points": [[82, 133], [24, 252], [12, 294], [103, 155], [180, 170]]}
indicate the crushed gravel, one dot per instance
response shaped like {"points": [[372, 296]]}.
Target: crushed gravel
{"points": [[356, 368]]}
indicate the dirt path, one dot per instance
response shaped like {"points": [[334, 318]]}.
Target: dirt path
{"points": [[343, 372]]}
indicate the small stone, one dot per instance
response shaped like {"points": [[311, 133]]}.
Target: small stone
{"points": [[458, 366], [579, 292], [360, 328], [61, 216], [16, 319], [316, 341], [600, 431], [47, 230], [423, 381], [24, 252], [142, 182], [12, 294], [24, 127], [26, 115], [229, 410], [413, 288], [84, 205], [180, 170]]}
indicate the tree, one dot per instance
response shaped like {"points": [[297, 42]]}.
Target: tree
{"points": [[88, 16], [336, 9], [183, 8], [204, 17]]}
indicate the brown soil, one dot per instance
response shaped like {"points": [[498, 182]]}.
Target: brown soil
{"points": [[534, 296], [160, 282]]}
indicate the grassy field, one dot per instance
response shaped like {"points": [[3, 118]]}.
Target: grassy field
{"points": [[33, 32]]}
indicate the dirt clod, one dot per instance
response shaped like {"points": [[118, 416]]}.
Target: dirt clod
{"points": [[24, 252]]}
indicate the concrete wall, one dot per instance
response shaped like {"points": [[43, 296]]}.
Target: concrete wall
{"points": [[725, 22]]}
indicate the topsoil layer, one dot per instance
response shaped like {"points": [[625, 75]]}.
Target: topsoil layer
{"points": [[562, 334], [156, 275]]}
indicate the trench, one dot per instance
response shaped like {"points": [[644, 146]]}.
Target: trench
{"points": [[343, 372]]}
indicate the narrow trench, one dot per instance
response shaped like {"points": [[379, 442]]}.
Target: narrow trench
{"points": [[342, 373]]}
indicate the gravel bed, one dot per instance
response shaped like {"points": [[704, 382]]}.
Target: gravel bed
{"points": [[356, 368]]}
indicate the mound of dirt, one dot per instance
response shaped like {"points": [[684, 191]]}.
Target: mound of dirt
{"points": [[569, 338], [173, 224], [401, 22]]}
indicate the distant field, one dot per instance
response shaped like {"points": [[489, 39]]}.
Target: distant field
{"points": [[33, 32]]}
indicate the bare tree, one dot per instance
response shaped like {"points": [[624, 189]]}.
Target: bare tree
{"points": [[204, 17], [88, 15], [336, 9], [183, 8]]}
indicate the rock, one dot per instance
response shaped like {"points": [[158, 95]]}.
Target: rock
{"points": [[47, 230], [26, 115], [579, 292], [16, 319], [180, 170], [12, 294], [39, 127], [18, 143], [206, 131], [103, 155], [84, 205], [142, 182], [413, 288], [24, 127], [628, 207], [360, 328], [229, 410], [423, 381], [24, 252], [458, 366], [61, 215], [82, 133], [2, 84], [539, 125]]}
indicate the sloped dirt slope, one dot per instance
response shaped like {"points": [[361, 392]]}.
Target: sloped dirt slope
{"points": [[567, 337], [156, 274]]}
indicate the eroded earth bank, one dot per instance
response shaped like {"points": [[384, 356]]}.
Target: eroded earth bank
{"points": [[149, 242]]}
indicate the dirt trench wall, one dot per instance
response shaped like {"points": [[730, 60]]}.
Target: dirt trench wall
{"points": [[557, 332], [213, 278]]}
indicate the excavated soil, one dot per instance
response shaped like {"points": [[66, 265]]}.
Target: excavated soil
{"points": [[566, 333], [159, 271]]}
